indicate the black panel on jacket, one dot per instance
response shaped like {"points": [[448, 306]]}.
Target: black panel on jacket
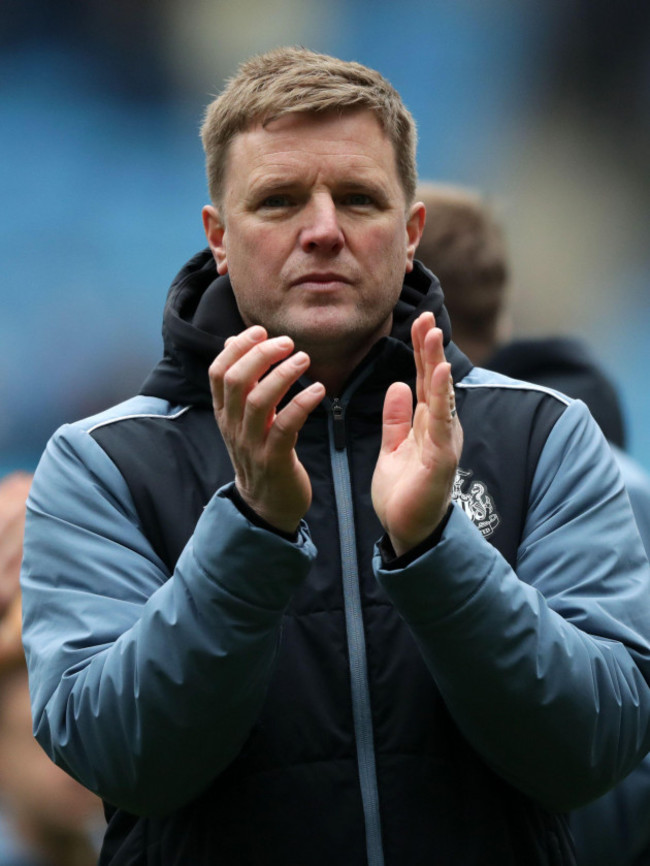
{"points": [[292, 795], [567, 365]]}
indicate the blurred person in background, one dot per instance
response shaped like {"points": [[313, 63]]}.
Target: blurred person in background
{"points": [[274, 617], [46, 818], [465, 239], [464, 244], [14, 488]]}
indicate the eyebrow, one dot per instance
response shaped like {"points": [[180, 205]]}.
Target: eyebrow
{"points": [[377, 191], [272, 184]]}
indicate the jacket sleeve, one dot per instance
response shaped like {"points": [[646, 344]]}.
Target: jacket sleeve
{"points": [[545, 670], [145, 685], [615, 829]]}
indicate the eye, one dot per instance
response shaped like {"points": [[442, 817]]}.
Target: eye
{"points": [[357, 199], [276, 200]]}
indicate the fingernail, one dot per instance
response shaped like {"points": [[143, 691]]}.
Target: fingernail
{"points": [[299, 358], [256, 333]]}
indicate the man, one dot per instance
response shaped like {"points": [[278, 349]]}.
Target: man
{"points": [[216, 645], [464, 244]]}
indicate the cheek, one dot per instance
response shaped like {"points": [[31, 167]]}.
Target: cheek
{"points": [[254, 255], [387, 243], [264, 239]]}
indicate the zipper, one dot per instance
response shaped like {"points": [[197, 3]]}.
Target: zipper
{"points": [[338, 425], [355, 634]]}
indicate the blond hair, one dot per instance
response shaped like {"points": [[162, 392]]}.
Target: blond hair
{"points": [[288, 80]]}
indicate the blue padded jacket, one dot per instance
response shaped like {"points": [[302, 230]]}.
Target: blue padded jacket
{"points": [[240, 698]]}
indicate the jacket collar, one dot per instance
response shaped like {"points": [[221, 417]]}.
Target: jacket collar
{"points": [[201, 312]]}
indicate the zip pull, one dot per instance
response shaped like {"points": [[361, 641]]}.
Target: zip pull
{"points": [[339, 424]]}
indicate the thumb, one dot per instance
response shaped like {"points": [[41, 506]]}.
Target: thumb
{"points": [[397, 416]]}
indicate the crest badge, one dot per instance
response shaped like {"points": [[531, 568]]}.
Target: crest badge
{"points": [[476, 502]]}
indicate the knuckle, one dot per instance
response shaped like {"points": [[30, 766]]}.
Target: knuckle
{"points": [[215, 370], [281, 425], [230, 378], [256, 401]]}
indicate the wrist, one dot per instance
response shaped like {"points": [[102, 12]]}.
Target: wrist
{"points": [[398, 555], [258, 519]]}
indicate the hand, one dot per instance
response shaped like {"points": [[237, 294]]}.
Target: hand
{"points": [[414, 476], [260, 440]]}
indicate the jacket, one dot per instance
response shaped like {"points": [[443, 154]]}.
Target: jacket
{"points": [[613, 830], [566, 364], [238, 697]]}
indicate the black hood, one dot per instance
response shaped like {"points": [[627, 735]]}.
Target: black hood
{"points": [[568, 365], [201, 312]]}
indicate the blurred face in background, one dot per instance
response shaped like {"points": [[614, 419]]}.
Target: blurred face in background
{"points": [[38, 796]]}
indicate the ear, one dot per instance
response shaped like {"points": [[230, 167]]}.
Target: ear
{"points": [[215, 232], [414, 229]]}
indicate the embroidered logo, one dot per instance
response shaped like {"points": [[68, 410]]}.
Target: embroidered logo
{"points": [[476, 502]]}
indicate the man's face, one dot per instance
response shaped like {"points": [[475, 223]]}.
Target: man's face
{"points": [[314, 230]]}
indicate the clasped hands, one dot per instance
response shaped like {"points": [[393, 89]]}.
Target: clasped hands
{"points": [[420, 448]]}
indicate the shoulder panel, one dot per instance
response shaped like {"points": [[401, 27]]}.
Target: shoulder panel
{"points": [[506, 424], [173, 459]]}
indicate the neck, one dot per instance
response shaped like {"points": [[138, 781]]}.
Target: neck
{"points": [[333, 377], [333, 360], [333, 369]]}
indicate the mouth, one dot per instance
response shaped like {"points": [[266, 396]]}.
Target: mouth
{"points": [[321, 280]]}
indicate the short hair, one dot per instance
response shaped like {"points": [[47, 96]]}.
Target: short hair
{"points": [[294, 79], [463, 243]]}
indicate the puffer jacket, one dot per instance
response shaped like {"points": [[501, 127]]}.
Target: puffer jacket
{"points": [[237, 697]]}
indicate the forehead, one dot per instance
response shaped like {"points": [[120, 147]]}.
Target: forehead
{"points": [[303, 144]]}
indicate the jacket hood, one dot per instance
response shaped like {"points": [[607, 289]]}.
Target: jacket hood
{"points": [[201, 312], [568, 365]]}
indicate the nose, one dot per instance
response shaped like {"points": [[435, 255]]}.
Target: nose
{"points": [[321, 230]]}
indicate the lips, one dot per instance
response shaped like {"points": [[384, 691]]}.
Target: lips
{"points": [[324, 278]]}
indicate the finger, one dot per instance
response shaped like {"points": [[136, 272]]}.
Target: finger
{"points": [[397, 416], [452, 402], [441, 421], [291, 418], [234, 348], [244, 374], [445, 429], [434, 350], [433, 354], [418, 331], [262, 400]]}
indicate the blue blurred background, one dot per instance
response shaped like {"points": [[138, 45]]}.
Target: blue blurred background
{"points": [[543, 106]]}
